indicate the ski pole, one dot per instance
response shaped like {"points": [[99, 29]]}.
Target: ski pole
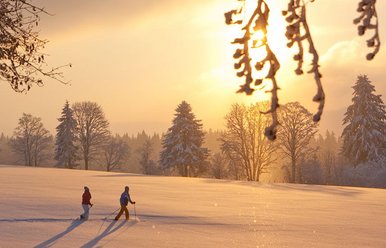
{"points": [[135, 213], [106, 219]]}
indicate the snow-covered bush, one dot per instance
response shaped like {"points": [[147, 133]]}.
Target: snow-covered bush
{"points": [[372, 174]]}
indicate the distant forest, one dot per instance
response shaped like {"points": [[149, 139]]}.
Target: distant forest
{"points": [[131, 164], [239, 151]]}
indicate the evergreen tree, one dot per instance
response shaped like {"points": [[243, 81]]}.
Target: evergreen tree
{"points": [[364, 137], [65, 151], [182, 144], [327, 153], [149, 166]]}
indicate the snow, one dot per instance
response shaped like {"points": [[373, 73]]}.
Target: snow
{"points": [[38, 207]]}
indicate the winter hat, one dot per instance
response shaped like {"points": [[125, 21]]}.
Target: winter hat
{"points": [[86, 188], [127, 187]]}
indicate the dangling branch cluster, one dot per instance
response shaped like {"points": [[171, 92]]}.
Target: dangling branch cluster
{"points": [[297, 33], [257, 22], [367, 11], [20, 56]]}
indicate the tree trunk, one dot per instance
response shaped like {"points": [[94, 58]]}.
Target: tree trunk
{"points": [[180, 169], [300, 174], [86, 163], [257, 179], [293, 167], [69, 166]]}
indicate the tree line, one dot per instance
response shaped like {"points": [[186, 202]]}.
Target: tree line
{"points": [[240, 151], [357, 157]]}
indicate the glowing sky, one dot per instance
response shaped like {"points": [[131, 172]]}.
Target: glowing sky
{"points": [[140, 59]]}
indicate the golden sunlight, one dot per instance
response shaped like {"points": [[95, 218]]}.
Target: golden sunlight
{"points": [[257, 51], [277, 43]]}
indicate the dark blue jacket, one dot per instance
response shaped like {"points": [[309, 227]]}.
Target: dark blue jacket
{"points": [[125, 199]]}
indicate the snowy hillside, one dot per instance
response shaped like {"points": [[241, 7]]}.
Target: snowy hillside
{"points": [[38, 207]]}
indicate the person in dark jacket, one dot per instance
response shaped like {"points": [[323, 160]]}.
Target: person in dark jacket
{"points": [[124, 200], [86, 204]]}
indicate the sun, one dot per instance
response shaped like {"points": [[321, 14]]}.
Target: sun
{"points": [[258, 35], [274, 36], [275, 33], [257, 51]]}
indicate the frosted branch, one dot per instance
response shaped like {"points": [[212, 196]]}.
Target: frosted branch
{"points": [[258, 21], [368, 13], [298, 32]]}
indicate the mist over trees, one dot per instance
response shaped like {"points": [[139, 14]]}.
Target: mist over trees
{"points": [[237, 152], [116, 153], [219, 166], [7, 155], [328, 149], [149, 166]]}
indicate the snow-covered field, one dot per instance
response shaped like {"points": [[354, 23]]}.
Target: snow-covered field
{"points": [[38, 208]]}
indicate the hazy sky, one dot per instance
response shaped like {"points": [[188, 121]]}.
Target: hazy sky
{"points": [[140, 59]]}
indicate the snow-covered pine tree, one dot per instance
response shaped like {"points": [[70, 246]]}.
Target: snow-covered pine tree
{"points": [[182, 144], [364, 137], [66, 149]]}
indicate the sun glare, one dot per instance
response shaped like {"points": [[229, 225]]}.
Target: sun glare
{"points": [[275, 32], [274, 36], [258, 35]]}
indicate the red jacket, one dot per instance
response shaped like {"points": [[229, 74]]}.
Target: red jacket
{"points": [[86, 197]]}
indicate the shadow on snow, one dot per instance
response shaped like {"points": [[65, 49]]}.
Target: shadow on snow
{"points": [[50, 242], [108, 231], [74, 224], [326, 189], [117, 174], [37, 220]]}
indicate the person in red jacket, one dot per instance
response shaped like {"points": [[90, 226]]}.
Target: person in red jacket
{"points": [[86, 204]]}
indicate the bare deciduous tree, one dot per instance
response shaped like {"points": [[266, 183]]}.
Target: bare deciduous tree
{"points": [[244, 137], [115, 152], [92, 129], [295, 133], [235, 166], [218, 165], [31, 141], [22, 62]]}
